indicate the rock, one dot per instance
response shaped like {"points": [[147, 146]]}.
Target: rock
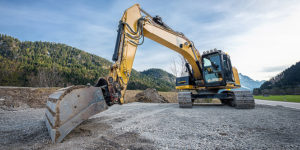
{"points": [[150, 95]]}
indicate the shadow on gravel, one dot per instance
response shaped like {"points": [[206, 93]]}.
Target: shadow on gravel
{"points": [[95, 133], [30, 132]]}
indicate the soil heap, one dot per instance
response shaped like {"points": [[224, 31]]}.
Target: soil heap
{"points": [[150, 95]]}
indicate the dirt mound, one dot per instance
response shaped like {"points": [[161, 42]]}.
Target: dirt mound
{"points": [[24, 97], [150, 96]]}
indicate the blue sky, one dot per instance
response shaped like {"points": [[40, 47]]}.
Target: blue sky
{"points": [[262, 37]]}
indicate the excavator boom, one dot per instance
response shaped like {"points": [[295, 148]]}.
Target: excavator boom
{"points": [[133, 27]]}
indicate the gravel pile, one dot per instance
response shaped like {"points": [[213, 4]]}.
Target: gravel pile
{"points": [[150, 96]]}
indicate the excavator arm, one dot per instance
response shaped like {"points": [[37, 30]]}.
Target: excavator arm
{"points": [[133, 27], [68, 107]]}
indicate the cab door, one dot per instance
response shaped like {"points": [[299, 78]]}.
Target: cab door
{"points": [[227, 69]]}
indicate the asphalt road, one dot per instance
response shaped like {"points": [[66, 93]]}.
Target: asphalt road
{"points": [[277, 103]]}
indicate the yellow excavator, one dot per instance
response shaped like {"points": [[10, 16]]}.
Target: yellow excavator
{"points": [[210, 75]]}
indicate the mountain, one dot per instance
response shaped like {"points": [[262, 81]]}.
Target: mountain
{"points": [[286, 82], [160, 74], [154, 78], [248, 83], [48, 64], [141, 80], [289, 78]]}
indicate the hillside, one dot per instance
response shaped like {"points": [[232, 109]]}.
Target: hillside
{"points": [[249, 83], [160, 74], [140, 80], [286, 82], [286, 79], [155, 78], [49, 64]]}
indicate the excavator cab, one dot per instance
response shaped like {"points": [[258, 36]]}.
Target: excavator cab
{"points": [[217, 69], [219, 78]]}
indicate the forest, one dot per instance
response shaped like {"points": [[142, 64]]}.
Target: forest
{"points": [[49, 64], [286, 82]]}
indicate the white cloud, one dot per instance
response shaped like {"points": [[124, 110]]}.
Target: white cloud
{"points": [[274, 42], [257, 34]]}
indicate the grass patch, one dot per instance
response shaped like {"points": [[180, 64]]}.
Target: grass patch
{"points": [[287, 98]]}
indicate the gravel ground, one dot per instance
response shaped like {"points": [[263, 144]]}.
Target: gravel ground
{"points": [[160, 126]]}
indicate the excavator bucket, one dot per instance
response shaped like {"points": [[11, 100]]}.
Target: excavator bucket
{"points": [[68, 107]]}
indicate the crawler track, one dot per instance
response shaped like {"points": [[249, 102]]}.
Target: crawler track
{"points": [[243, 100]]}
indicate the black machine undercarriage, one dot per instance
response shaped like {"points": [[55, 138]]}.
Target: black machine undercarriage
{"points": [[234, 98]]}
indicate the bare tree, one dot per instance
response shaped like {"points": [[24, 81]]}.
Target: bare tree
{"points": [[46, 77], [174, 66], [42, 77], [182, 71], [178, 66]]}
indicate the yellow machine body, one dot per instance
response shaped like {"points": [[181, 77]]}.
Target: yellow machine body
{"points": [[121, 70]]}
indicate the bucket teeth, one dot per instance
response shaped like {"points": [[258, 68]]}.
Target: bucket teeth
{"points": [[68, 107]]}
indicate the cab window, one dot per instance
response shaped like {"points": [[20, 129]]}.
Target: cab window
{"points": [[212, 68]]}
